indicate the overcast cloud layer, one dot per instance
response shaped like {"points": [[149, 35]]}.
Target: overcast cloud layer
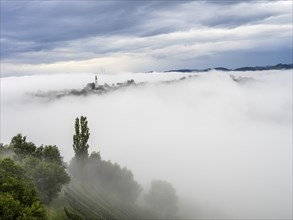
{"points": [[113, 36], [225, 146]]}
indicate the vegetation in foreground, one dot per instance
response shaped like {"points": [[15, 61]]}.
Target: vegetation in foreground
{"points": [[35, 183]]}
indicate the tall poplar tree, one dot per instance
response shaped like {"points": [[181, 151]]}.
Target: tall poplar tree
{"points": [[80, 138]]}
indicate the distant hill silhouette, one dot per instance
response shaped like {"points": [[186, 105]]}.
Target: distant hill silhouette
{"points": [[279, 66]]}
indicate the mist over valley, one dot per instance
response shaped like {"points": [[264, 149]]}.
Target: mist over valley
{"points": [[225, 146]]}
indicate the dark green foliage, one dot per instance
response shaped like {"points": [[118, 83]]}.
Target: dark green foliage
{"points": [[72, 216], [50, 154], [21, 147], [18, 197], [8, 168], [48, 177], [100, 189], [43, 164], [162, 199], [80, 138], [35, 212], [9, 207]]}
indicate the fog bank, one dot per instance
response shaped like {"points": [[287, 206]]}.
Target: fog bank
{"points": [[225, 146]]}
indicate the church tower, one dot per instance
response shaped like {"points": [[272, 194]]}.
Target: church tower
{"points": [[96, 81]]}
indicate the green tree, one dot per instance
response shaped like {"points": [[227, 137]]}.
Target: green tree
{"points": [[9, 207], [18, 196], [49, 153], [80, 138], [92, 170], [21, 147], [162, 199], [49, 177], [43, 164]]}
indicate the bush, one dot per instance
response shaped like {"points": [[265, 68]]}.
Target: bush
{"points": [[18, 196]]}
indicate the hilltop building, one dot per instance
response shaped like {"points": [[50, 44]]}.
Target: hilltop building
{"points": [[96, 81]]}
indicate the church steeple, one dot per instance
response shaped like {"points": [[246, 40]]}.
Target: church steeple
{"points": [[96, 81]]}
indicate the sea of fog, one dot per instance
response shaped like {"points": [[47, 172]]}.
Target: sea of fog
{"points": [[225, 146]]}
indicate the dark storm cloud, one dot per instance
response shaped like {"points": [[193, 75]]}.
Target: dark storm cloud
{"points": [[52, 21], [43, 24], [36, 26]]}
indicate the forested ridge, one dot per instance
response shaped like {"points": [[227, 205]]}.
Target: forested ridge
{"points": [[36, 183]]}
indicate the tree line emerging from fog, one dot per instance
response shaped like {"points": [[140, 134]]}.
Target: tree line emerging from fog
{"points": [[36, 183]]}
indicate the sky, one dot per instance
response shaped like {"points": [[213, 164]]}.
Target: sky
{"points": [[44, 37]]}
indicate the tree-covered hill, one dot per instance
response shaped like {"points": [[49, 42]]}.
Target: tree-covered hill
{"points": [[35, 183]]}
